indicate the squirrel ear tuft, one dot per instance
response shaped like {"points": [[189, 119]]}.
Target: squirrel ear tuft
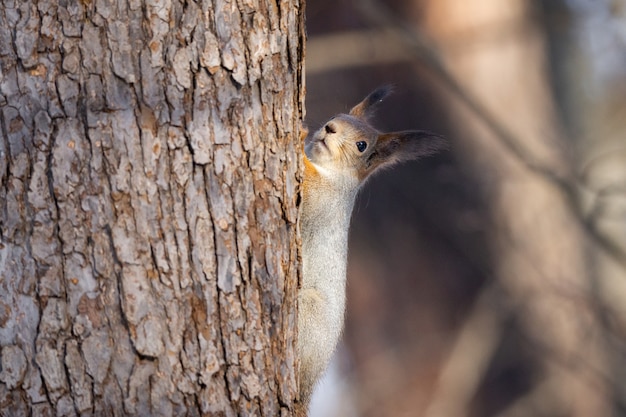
{"points": [[366, 107], [396, 147]]}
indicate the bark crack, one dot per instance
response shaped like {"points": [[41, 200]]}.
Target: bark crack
{"points": [[224, 352], [68, 378], [218, 299], [4, 176], [55, 215], [118, 278]]}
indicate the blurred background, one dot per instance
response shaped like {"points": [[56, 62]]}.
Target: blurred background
{"points": [[490, 280]]}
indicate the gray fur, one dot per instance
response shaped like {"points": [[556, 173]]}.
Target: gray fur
{"points": [[338, 167]]}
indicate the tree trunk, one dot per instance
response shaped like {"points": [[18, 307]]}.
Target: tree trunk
{"points": [[149, 169]]}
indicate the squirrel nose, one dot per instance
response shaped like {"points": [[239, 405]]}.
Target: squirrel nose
{"points": [[330, 128]]}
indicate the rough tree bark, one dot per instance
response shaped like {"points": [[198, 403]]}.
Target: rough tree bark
{"points": [[149, 168]]}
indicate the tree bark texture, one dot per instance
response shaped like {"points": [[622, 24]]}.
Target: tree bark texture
{"points": [[149, 170]]}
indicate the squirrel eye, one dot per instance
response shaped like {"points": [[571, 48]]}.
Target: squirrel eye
{"points": [[361, 145]]}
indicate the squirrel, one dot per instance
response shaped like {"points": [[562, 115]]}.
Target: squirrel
{"points": [[338, 160]]}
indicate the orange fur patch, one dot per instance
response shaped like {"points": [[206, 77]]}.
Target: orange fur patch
{"points": [[311, 176]]}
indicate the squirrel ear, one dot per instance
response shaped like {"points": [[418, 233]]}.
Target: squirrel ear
{"points": [[395, 147], [366, 107]]}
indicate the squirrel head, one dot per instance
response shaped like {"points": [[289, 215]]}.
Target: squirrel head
{"points": [[348, 144]]}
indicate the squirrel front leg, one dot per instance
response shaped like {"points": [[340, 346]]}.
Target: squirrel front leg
{"points": [[312, 366]]}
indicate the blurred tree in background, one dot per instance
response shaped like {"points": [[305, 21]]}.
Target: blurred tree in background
{"points": [[491, 281]]}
